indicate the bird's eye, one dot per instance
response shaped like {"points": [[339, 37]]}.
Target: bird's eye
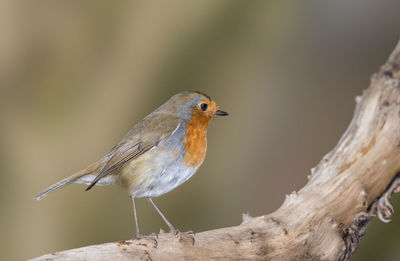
{"points": [[203, 106]]}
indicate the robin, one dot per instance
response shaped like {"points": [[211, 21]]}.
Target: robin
{"points": [[159, 153]]}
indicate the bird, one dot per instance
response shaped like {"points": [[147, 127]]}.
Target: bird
{"points": [[158, 154]]}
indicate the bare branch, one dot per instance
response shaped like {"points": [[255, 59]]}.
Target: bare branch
{"points": [[325, 219]]}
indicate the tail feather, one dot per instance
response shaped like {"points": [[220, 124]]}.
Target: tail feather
{"points": [[59, 184], [68, 180]]}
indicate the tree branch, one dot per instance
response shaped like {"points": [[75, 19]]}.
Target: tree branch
{"points": [[325, 219]]}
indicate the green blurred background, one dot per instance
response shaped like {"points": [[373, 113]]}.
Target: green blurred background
{"points": [[76, 75]]}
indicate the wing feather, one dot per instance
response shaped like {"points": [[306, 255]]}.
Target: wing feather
{"points": [[144, 136]]}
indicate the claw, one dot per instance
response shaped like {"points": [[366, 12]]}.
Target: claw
{"points": [[182, 235], [152, 237], [174, 232]]}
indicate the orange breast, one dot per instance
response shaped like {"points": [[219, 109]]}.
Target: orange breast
{"points": [[195, 142]]}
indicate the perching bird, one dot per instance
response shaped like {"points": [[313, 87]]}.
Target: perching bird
{"points": [[159, 153]]}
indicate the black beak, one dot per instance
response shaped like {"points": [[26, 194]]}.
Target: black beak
{"points": [[221, 113]]}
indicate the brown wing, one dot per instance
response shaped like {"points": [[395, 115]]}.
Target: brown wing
{"points": [[145, 135]]}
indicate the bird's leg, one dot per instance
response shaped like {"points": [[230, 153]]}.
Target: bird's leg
{"points": [[138, 234], [172, 229]]}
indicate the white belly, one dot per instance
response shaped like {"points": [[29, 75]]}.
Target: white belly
{"points": [[167, 181], [155, 173]]}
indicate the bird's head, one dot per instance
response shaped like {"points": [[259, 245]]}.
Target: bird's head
{"points": [[194, 106]]}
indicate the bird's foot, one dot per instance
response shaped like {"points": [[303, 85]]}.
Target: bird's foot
{"points": [[189, 235], [152, 237]]}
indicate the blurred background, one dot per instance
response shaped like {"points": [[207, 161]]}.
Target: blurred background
{"points": [[75, 76]]}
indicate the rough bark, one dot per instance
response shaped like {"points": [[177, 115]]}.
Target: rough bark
{"points": [[325, 219]]}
